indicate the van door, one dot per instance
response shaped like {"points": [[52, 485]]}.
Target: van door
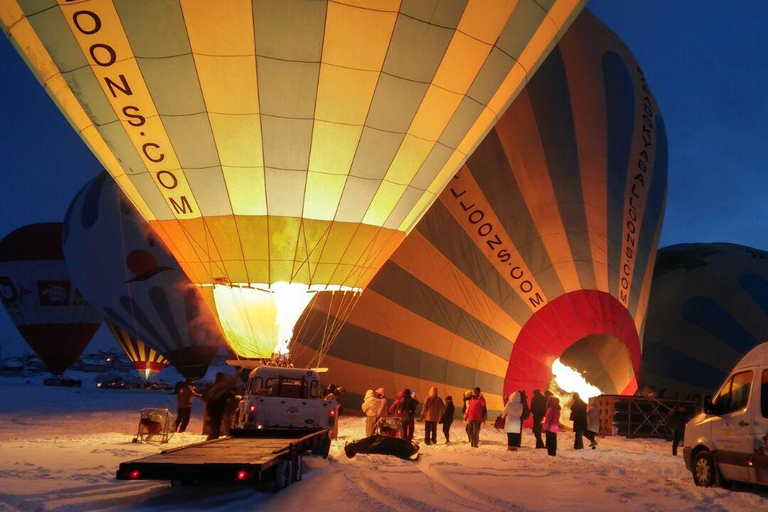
{"points": [[760, 434], [731, 433]]}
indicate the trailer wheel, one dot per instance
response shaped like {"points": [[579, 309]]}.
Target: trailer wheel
{"points": [[283, 474], [297, 469], [324, 448]]}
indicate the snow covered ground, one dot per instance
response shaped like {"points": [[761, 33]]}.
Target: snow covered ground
{"points": [[60, 447]]}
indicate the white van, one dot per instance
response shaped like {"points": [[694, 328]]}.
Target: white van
{"points": [[728, 440]]}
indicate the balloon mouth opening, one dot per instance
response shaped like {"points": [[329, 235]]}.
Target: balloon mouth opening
{"points": [[259, 319]]}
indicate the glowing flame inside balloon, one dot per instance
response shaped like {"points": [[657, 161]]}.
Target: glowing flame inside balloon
{"points": [[571, 381], [258, 319]]}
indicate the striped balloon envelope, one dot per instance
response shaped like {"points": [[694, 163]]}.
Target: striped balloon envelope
{"points": [[128, 275], [147, 361], [37, 292], [709, 307], [541, 246], [281, 148]]}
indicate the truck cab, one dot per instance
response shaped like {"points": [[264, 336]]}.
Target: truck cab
{"points": [[284, 399], [728, 440]]}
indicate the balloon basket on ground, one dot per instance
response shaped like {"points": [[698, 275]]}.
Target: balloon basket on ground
{"points": [[155, 426]]}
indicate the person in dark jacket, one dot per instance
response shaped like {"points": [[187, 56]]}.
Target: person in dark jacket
{"points": [[185, 393], [447, 419], [579, 418], [216, 397], [676, 423], [538, 410], [407, 412]]}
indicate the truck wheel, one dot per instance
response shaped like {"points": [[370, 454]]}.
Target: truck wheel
{"points": [[297, 469], [705, 469], [325, 448], [283, 474]]}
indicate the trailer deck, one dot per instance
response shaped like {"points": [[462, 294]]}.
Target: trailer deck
{"points": [[231, 459]]}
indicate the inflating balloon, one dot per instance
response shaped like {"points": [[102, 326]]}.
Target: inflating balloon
{"points": [[147, 361], [127, 274], [45, 306], [541, 247], [283, 148], [708, 307]]}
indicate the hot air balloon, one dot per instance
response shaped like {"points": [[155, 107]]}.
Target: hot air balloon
{"points": [[37, 292], [127, 274], [283, 148], [708, 307], [540, 248], [147, 361]]}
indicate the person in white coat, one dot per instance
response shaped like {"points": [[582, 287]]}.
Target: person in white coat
{"points": [[370, 409], [513, 424]]}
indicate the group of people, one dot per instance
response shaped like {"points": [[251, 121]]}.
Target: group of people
{"points": [[544, 409], [545, 412], [434, 411], [220, 399]]}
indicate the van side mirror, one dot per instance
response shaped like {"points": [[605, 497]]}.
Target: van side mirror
{"points": [[709, 407]]}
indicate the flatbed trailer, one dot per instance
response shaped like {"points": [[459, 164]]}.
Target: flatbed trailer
{"points": [[247, 457]]}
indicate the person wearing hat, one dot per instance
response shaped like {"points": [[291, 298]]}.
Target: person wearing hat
{"points": [[431, 413], [475, 416], [370, 408], [381, 396]]}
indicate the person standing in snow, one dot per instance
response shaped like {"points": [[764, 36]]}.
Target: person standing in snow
{"points": [[215, 398], [467, 398], [513, 423], [186, 392], [394, 409], [381, 403], [431, 413], [407, 411], [552, 424], [474, 416], [677, 421], [370, 408], [593, 423], [447, 419], [230, 409], [579, 418], [538, 410]]}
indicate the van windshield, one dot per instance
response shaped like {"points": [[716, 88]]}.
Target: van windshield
{"points": [[764, 394], [734, 395]]}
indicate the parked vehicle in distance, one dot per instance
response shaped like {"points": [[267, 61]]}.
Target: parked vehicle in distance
{"points": [[728, 440], [63, 382]]}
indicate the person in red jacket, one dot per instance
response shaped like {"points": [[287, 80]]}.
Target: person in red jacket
{"points": [[552, 424], [474, 416]]}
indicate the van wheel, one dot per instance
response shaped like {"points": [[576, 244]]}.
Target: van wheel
{"points": [[283, 474], [704, 470]]}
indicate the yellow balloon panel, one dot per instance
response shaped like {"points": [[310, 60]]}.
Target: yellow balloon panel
{"points": [[275, 141]]}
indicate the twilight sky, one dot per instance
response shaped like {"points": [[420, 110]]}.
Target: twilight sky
{"points": [[703, 60]]}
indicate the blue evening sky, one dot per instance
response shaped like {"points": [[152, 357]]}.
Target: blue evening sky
{"points": [[704, 61]]}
